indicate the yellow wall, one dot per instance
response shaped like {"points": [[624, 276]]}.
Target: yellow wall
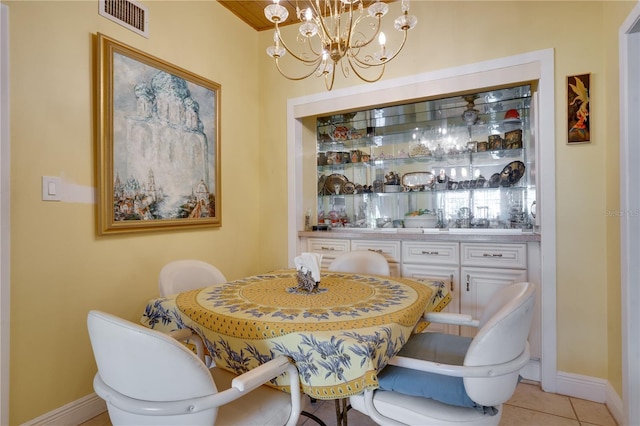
{"points": [[60, 269]]}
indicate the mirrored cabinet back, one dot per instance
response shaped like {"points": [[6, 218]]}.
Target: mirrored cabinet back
{"points": [[458, 162]]}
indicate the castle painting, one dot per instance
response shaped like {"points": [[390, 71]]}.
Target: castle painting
{"points": [[164, 125]]}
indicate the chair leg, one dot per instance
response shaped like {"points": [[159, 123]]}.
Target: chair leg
{"points": [[342, 407], [314, 418]]}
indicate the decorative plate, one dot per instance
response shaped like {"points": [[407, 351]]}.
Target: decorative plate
{"points": [[333, 182], [494, 180], [321, 181], [349, 188], [340, 133], [512, 173]]}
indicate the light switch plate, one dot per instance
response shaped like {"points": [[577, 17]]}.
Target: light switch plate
{"points": [[51, 188]]}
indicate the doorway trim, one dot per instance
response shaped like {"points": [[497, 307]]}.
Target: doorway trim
{"points": [[629, 41], [5, 178]]}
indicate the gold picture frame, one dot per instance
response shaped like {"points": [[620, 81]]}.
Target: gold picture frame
{"points": [[158, 155], [578, 109]]}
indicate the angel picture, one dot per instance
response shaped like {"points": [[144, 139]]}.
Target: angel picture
{"points": [[578, 113]]}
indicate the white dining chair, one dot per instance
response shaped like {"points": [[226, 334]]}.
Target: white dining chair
{"points": [[361, 261], [441, 379], [148, 378], [187, 274]]}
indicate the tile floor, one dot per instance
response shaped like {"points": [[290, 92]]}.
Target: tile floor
{"points": [[529, 406]]}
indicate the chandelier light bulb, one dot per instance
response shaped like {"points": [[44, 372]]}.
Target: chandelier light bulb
{"points": [[382, 39], [382, 56]]}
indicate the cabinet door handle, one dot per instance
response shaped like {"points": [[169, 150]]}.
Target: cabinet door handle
{"points": [[492, 255], [375, 251], [468, 278], [430, 253], [327, 248], [451, 282]]}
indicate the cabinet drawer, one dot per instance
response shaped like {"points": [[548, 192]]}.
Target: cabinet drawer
{"points": [[433, 253], [389, 249], [328, 248], [494, 255]]}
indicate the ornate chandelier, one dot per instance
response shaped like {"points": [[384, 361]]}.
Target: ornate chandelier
{"points": [[331, 30]]}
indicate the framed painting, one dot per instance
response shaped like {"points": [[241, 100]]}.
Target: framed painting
{"points": [[158, 156], [578, 109]]}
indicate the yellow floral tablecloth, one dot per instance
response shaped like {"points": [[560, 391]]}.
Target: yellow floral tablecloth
{"points": [[338, 338]]}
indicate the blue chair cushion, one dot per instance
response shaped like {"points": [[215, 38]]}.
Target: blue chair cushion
{"points": [[437, 347]]}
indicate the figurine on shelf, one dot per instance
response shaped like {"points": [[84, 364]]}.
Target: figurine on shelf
{"points": [[392, 178], [470, 115]]}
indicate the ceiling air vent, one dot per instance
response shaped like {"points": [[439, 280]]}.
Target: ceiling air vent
{"points": [[128, 13]]}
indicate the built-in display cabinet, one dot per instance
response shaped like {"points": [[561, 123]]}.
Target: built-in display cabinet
{"points": [[450, 175], [452, 163]]}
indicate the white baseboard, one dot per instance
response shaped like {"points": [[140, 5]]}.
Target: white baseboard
{"points": [[614, 403], [584, 387], [531, 371], [577, 386], [591, 389], [73, 413]]}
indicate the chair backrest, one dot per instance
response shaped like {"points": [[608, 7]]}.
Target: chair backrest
{"points": [[502, 337], [361, 261], [187, 274], [146, 365]]}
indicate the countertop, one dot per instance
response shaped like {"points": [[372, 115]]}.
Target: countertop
{"points": [[417, 234]]}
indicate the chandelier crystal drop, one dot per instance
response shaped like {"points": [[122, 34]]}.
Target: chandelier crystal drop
{"points": [[333, 30]]}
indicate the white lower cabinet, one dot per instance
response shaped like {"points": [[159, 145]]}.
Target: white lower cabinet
{"points": [[450, 275], [472, 271], [479, 285], [486, 268], [436, 260]]}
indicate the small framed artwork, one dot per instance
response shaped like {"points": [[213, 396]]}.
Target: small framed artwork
{"points": [[158, 156], [578, 109]]}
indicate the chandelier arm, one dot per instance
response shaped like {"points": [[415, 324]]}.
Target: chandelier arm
{"points": [[323, 33], [327, 84], [293, 78], [363, 78], [365, 64], [404, 39], [373, 36], [348, 35], [301, 59], [318, 54]]}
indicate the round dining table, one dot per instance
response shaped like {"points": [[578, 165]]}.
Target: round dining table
{"points": [[339, 335]]}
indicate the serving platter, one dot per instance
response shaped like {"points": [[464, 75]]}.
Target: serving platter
{"points": [[416, 181], [335, 181], [512, 173]]}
